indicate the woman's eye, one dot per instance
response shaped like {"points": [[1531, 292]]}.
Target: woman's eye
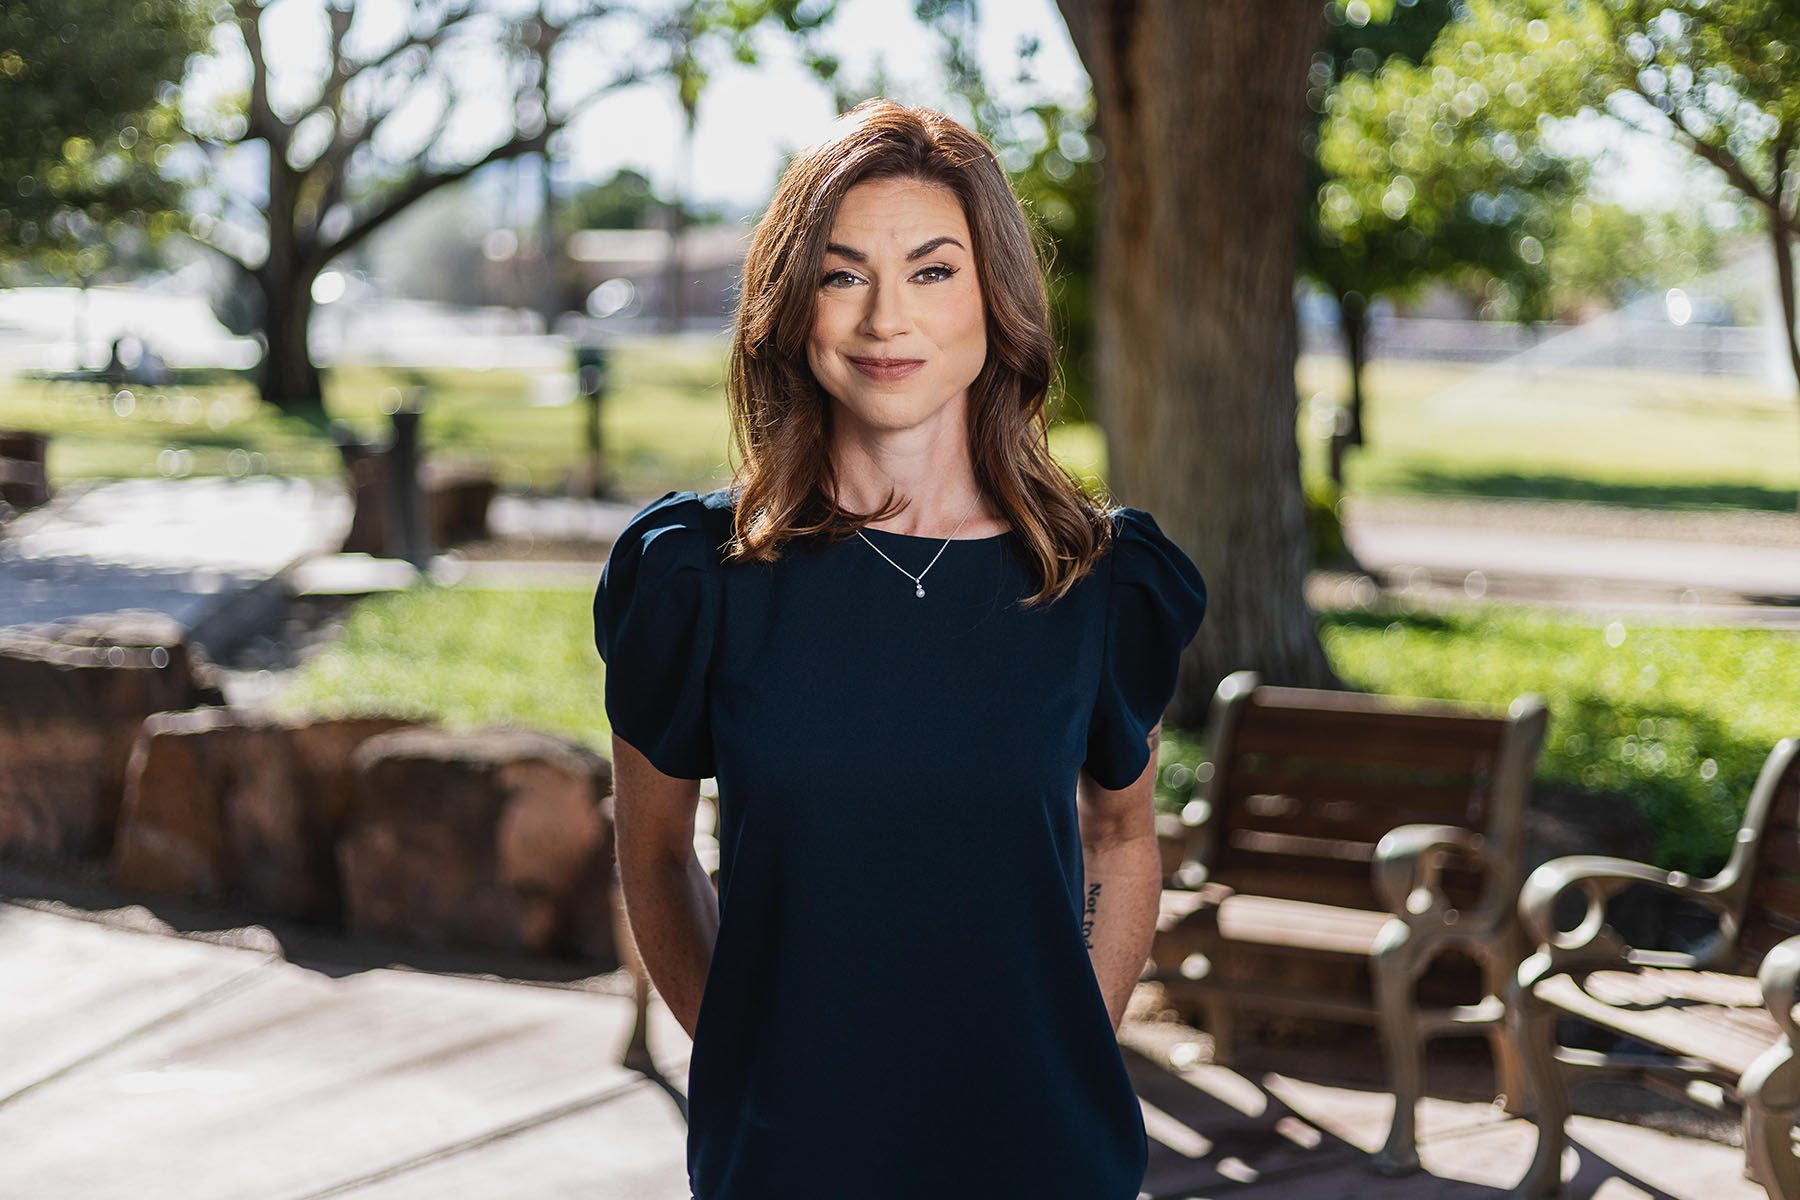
{"points": [[946, 272]]}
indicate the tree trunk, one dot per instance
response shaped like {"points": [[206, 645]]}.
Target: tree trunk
{"points": [[287, 378], [1354, 307], [1200, 110], [1347, 423], [1784, 279]]}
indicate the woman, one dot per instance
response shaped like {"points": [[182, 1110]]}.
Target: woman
{"points": [[927, 672]]}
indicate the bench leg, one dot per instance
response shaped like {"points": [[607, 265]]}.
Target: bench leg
{"points": [[1402, 1046], [1533, 1026], [1770, 1088], [1509, 1072]]}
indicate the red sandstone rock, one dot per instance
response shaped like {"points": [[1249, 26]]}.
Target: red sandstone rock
{"points": [[481, 837], [221, 804], [72, 695]]}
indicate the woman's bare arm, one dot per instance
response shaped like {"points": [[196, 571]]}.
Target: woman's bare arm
{"points": [[1123, 870], [670, 904]]}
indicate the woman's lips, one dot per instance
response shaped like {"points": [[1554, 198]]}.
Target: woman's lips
{"points": [[887, 369]]}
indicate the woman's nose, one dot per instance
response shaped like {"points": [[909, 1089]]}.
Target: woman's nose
{"points": [[886, 314]]}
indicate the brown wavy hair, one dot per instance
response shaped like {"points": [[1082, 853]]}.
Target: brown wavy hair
{"points": [[779, 412]]}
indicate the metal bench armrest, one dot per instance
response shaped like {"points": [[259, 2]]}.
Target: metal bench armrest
{"points": [[1593, 943], [1407, 861], [1779, 977]]}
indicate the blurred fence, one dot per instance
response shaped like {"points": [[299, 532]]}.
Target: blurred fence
{"points": [[1608, 341]]}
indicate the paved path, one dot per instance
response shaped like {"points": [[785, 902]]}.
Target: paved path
{"points": [[1767, 573], [216, 554], [203, 550], [1706, 568], [1712, 568], [147, 1066]]}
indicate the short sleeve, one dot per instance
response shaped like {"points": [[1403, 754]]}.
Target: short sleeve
{"points": [[655, 613], [1155, 602]]}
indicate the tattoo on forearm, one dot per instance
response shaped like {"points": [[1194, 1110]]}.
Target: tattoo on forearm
{"points": [[1087, 916]]}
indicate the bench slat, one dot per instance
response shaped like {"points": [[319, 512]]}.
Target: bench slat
{"points": [[1704, 1014]]}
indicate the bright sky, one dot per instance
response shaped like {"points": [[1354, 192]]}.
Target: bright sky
{"points": [[750, 116]]}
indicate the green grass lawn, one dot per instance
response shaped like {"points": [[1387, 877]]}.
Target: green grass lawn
{"points": [[1436, 429], [1678, 718], [1612, 436]]}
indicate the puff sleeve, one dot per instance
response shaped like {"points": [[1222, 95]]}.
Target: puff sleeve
{"points": [[1155, 602], [655, 613]]}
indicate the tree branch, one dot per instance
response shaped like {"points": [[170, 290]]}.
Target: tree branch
{"points": [[230, 256], [331, 96], [426, 182], [422, 185], [1718, 156], [1779, 151], [263, 121]]}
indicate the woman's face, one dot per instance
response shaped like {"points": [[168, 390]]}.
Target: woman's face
{"points": [[898, 282]]}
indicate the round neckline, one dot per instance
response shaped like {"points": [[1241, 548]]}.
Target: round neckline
{"points": [[913, 537]]}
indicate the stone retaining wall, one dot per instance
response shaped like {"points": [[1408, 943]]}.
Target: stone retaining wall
{"points": [[116, 743]]}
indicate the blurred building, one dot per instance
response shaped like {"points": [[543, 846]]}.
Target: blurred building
{"points": [[624, 273]]}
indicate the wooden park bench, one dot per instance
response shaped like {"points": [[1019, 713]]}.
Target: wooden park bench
{"points": [[1341, 843], [1721, 1013]]}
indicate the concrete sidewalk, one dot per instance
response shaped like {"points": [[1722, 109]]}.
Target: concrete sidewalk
{"points": [[219, 555], [209, 552], [147, 1066]]}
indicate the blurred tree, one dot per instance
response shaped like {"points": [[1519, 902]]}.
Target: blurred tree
{"points": [[1601, 256], [626, 201], [1201, 110], [334, 170], [685, 33], [1053, 159], [1408, 184], [1048, 150], [85, 114], [1719, 77]]}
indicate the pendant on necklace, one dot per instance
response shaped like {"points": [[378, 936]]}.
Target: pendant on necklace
{"points": [[920, 589]]}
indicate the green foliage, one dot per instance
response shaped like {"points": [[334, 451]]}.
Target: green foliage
{"points": [[1054, 166], [1678, 718], [626, 201], [85, 86], [1603, 253], [1717, 75], [1412, 179]]}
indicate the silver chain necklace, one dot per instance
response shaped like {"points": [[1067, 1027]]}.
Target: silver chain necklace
{"points": [[919, 579]]}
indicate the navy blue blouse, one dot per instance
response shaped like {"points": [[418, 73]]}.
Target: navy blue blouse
{"points": [[900, 1002]]}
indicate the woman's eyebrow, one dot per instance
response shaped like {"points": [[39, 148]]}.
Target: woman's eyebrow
{"points": [[918, 252]]}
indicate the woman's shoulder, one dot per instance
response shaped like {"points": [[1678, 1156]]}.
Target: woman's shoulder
{"points": [[692, 524], [1146, 557]]}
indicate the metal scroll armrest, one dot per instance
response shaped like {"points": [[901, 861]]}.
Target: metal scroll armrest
{"points": [[1779, 977], [1593, 944], [1408, 860]]}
